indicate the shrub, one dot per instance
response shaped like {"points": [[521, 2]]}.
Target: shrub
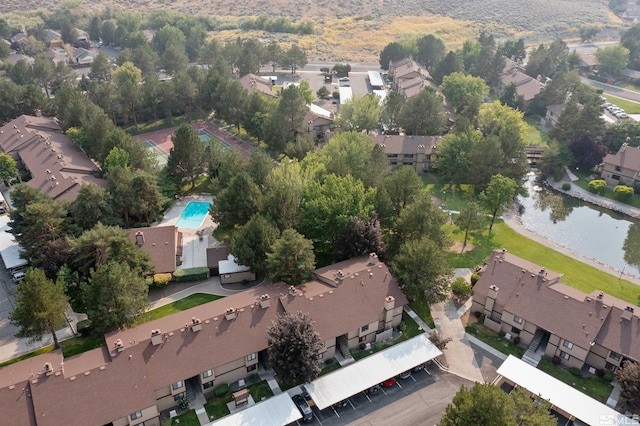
{"points": [[474, 278], [481, 318], [460, 288], [477, 314], [599, 372], [183, 404], [191, 274], [335, 94], [622, 192], [608, 376], [597, 186], [566, 186], [516, 340], [84, 327], [160, 280], [221, 390], [555, 360], [575, 371], [597, 78]]}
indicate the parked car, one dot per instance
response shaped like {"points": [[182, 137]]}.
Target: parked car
{"points": [[344, 79], [607, 105], [388, 383], [341, 404], [405, 374], [603, 99], [614, 108], [17, 276], [372, 389], [621, 115], [303, 406]]}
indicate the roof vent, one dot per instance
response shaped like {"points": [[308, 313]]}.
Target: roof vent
{"points": [[48, 369], [230, 313], [600, 296], [542, 272], [48, 171], [119, 345], [373, 259], [340, 275], [292, 291], [627, 313], [265, 301], [156, 337], [196, 324]]}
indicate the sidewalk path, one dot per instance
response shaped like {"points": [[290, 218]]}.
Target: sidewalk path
{"points": [[459, 354]]}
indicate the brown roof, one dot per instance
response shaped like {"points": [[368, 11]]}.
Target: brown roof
{"points": [[98, 395], [627, 157], [406, 68], [620, 335], [535, 294], [215, 255], [347, 304], [402, 144], [160, 242], [255, 82], [28, 368], [400, 62], [58, 167], [526, 86]]}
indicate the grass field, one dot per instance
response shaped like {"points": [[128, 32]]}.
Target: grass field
{"points": [[628, 106], [491, 338], [177, 306], [607, 193], [535, 136], [592, 386]]}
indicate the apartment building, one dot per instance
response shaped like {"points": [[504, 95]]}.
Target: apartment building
{"points": [[417, 152]]}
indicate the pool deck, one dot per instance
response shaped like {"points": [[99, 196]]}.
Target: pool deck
{"points": [[194, 250]]}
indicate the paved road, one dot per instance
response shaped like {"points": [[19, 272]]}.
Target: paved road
{"points": [[609, 89]]}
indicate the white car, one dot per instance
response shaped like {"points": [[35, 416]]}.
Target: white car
{"points": [[17, 276], [344, 79], [621, 115], [614, 108]]}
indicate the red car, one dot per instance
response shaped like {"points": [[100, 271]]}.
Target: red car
{"points": [[388, 383]]}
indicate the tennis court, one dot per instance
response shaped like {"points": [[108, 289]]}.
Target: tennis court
{"points": [[160, 154], [206, 137]]}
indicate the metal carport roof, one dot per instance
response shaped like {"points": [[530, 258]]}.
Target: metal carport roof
{"points": [[559, 394], [9, 249], [347, 381], [375, 79], [277, 410]]}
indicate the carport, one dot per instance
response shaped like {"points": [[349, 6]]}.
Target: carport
{"points": [[277, 410], [564, 399], [347, 381], [9, 249], [375, 79]]}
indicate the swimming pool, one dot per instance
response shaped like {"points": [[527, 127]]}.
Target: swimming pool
{"points": [[193, 215]]}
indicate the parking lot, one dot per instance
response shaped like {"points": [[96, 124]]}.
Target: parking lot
{"points": [[7, 291], [415, 400]]}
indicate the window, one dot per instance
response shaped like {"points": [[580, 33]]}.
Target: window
{"points": [[407, 156], [609, 366], [564, 355], [567, 344], [252, 356], [320, 356], [616, 177], [517, 319], [136, 415], [178, 397], [618, 169], [614, 355], [207, 385], [407, 163], [177, 385], [252, 367], [362, 339], [392, 155], [207, 373], [364, 328], [515, 330]]}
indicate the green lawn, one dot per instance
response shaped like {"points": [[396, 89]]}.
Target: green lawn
{"points": [[217, 408], [80, 344], [628, 86], [454, 196], [421, 307], [534, 136], [592, 386], [37, 352], [607, 193], [411, 330], [188, 418], [260, 390], [177, 306], [491, 338], [329, 368], [628, 106]]}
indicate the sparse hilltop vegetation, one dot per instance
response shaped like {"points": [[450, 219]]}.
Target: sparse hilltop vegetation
{"points": [[359, 29]]}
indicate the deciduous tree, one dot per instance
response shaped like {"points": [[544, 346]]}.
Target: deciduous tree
{"points": [[127, 78], [360, 113], [498, 196], [252, 241], [358, 238], [237, 203], [291, 258], [464, 92], [612, 60], [7, 167], [423, 114], [470, 218], [293, 348]]}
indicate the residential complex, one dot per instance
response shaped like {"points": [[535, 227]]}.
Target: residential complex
{"points": [[623, 167], [148, 368], [417, 152], [528, 301]]}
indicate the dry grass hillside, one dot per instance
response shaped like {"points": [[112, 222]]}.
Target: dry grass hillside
{"points": [[359, 29]]}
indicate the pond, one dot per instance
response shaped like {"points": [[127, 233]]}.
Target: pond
{"points": [[593, 232]]}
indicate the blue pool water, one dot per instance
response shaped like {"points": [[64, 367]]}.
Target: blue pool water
{"points": [[193, 215]]}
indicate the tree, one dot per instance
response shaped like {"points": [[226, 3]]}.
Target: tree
{"points": [[174, 60], [588, 32], [631, 40], [498, 196], [186, 158], [514, 49], [358, 238], [422, 270], [420, 219], [293, 348], [273, 55], [90, 207], [42, 72], [361, 112], [511, 98], [429, 50], [460, 288], [127, 78], [438, 340], [237, 203], [464, 92], [469, 219], [489, 405], [423, 114], [283, 195], [252, 241], [101, 68], [546, 62], [390, 114], [114, 295], [294, 58], [455, 155], [323, 93], [8, 167], [287, 121], [392, 52], [397, 190], [612, 60], [40, 306], [22, 73], [448, 65], [291, 258]]}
